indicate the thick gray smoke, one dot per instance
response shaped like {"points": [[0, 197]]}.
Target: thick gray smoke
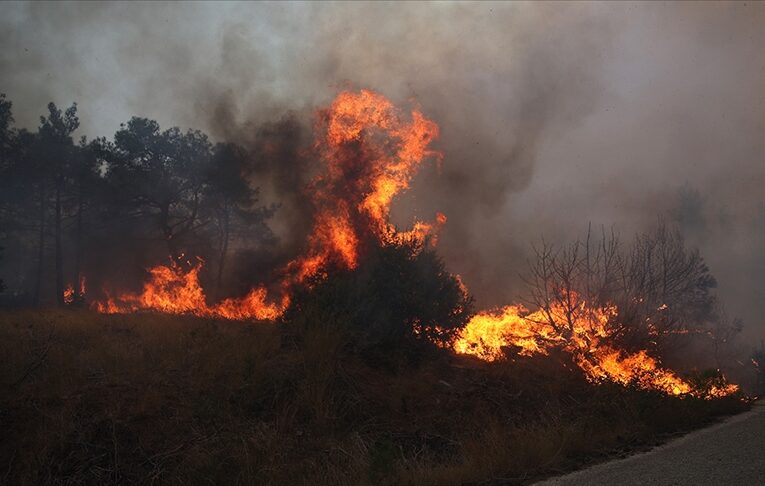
{"points": [[552, 115]]}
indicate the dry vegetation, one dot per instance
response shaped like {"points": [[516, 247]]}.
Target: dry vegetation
{"points": [[146, 398]]}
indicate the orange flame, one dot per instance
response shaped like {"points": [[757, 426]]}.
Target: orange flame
{"points": [[370, 153], [69, 294], [175, 291], [579, 330]]}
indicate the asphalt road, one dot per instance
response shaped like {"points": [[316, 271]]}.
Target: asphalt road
{"points": [[728, 453]]}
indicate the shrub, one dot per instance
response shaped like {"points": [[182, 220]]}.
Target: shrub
{"points": [[400, 295]]}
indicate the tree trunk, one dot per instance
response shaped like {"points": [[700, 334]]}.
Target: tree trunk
{"points": [[167, 231], [223, 253], [79, 297], [59, 252], [40, 248]]}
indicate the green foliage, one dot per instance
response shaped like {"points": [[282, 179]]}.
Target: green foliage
{"points": [[399, 294], [69, 209]]}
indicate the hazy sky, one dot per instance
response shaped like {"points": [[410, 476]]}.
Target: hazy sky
{"points": [[552, 115]]}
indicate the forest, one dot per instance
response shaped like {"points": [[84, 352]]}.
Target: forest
{"points": [[92, 209]]}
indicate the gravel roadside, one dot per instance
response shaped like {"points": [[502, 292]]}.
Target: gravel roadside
{"points": [[730, 452]]}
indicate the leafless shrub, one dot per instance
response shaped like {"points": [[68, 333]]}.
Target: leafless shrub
{"points": [[662, 288]]}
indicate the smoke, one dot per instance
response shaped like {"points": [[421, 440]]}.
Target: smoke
{"points": [[552, 115]]}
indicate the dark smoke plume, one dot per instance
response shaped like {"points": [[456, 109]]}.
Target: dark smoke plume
{"points": [[552, 115]]}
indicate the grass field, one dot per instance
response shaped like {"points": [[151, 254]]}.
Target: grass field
{"points": [[145, 398]]}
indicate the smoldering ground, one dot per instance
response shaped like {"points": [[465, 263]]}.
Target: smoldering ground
{"points": [[552, 115]]}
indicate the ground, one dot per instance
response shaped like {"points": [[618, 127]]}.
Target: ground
{"points": [[142, 398], [727, 453]]}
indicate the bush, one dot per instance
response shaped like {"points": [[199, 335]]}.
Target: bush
{"points": [[399, 296]]}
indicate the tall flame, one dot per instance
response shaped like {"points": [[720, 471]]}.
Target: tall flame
{"points": [[369, 153], [71, 296]]}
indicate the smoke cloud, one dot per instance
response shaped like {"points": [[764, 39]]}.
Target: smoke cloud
{"points": [[552, 116]]}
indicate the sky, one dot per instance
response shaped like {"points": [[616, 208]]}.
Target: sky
{"points": [[553, 115]]}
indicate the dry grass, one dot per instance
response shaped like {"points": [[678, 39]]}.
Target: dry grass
{"points": [[148, 398]]}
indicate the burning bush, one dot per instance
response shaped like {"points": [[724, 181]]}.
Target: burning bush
{"points": [[613, 310], [400, 293], [660, 287]]}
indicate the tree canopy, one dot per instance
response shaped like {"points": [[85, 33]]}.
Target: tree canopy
{"points": [[70, 207]]}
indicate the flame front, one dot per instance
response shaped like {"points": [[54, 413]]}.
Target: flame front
{"points": [[580, 330], [369, 153], [175, 291]]}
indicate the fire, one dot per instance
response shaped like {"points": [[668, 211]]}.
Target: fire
{"points": [[580, 330], [625, 368], [369, 153], [70, 296], [487, 334], [175, 291], [254, 304]]}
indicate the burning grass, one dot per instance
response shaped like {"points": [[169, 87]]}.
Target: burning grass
{"points": [[93, 398], [589, 341]]}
